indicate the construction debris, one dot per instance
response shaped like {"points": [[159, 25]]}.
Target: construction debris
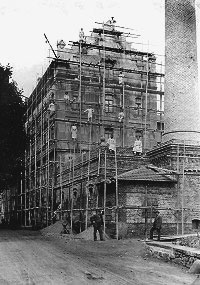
{"points": [[54, 229]]}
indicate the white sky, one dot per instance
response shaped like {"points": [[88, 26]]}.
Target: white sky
{"points": [[24, 22]]}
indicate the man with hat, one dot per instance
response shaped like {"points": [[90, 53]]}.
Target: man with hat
{"points": [[156, 225], [97, 222]]}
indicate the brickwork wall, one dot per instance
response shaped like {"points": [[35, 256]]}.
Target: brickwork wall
{"points": [[158, 195]]}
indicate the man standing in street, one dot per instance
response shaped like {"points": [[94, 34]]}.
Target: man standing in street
{"points": [[97, 222], [156, 225]]}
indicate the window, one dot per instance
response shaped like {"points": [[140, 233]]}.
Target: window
{"points": [[109, 104], [160, 126], [75, 193], [90, 190], [51, 135], [160, 103], [108, 133]]}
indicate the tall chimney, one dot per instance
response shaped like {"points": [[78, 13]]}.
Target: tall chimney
{"points": [[182, 116]]}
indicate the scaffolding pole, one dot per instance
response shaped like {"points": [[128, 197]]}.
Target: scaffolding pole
{"points": [[117, 197], [183, 191], [104, 80], [178, 186], [123, 108], [123, 102], [80, 84], [72, 192], [53, 182], [48, 176], [81, 192], [35, 172], [30, 161], [61, 187], [146, 213], [25, 185], [146, 101], [41, 159], [104, 195], [89, 156], [98, 173], [69, 192]]}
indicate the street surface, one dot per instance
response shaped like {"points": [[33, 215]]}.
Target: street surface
{"points": [[27, 257]]}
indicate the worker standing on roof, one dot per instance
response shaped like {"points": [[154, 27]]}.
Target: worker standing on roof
{"points": [[156, 225], [112, 144], [112, 23], [81, 36], [137, 148], [97, 222]]}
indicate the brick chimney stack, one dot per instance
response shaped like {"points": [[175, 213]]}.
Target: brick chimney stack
{"points": [[182, 115]]}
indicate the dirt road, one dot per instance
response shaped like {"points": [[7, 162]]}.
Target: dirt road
{"points": [[29, 258]]}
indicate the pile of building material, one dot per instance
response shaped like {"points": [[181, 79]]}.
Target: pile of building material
{"points": [[58, 230], [54, 229]]}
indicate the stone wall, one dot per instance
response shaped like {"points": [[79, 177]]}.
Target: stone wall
{"points": [[184, 256]]}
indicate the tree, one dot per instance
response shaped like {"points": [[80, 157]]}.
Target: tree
{"points": [[12, 131]]}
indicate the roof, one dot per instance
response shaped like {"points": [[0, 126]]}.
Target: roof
{"points": [[149, 173]]}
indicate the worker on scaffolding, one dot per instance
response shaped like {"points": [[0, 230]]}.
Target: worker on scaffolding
{"points": [[81, 36], [52, 107], [112, 144], [137, 148], [74, 132], [121, 115], [121, 78], [103, 142], [89, 111], [97, 222], [66, 97]]}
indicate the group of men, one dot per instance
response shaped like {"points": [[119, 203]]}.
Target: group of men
{"points": [[97, 222]]}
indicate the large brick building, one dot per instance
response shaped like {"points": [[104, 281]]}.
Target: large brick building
{"points": [[79, 100]]}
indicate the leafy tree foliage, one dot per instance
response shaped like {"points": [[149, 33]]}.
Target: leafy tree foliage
{"points": [[12, 132]]}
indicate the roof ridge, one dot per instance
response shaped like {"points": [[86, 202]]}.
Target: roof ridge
{"points": [[148, 172]]}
